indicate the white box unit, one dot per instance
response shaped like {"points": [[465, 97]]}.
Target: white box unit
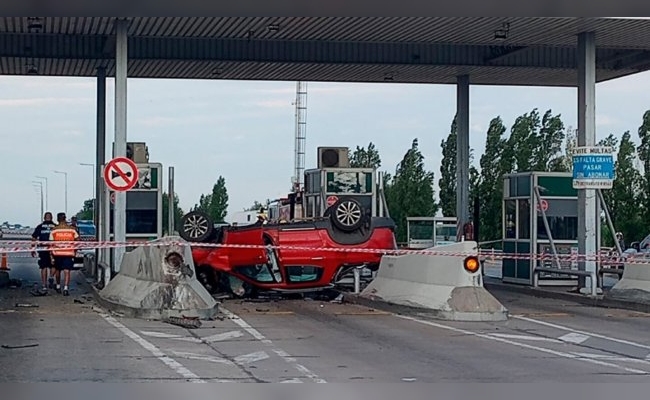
{"points": [[333, 157], [138, 152]]}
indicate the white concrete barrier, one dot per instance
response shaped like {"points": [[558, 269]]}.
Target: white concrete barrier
{"points": [[634, 284], [158, 282], [438, 283]]}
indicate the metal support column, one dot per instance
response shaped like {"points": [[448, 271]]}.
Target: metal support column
{"points": [[587, 204], [462, 151], [121, 62], [171, 210], [98, 205]]}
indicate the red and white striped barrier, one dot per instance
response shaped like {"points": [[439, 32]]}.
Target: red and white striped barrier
{"points": [[13, 247]]}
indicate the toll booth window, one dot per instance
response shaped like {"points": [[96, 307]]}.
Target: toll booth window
{"points": [[300, 274], [562, 228], [421, 230], [139, 222], [349, 182], [510, 223], [524, 219], [446, 233]]}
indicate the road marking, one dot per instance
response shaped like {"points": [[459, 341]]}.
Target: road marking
{"points": [[596, 335], [613, 358], [524, 337], [202, 357], [223, 336], [162, 335], [155, 351], [294, 380], [525, 346], [575, 338], [251, 358], [283, 354]]}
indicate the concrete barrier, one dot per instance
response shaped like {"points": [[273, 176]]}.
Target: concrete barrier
{"points": [[157, 283], [634, 284], [437, 283]]}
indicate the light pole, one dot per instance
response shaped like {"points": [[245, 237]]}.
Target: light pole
{"points": [[39, 185], [94, 192], [44, 178], [65, 175]]}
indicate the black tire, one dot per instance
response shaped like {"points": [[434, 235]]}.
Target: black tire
{"points": [[196, 226], [347, 215]]}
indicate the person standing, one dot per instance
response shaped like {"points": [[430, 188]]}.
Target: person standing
{"points": [[42, 234], [64, 257]]}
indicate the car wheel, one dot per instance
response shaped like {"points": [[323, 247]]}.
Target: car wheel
{"points": [[196, 226], [347, 215]]}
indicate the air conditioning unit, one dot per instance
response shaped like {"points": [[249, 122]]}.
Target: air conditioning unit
{"points": [[138, 152], [333, 157]]}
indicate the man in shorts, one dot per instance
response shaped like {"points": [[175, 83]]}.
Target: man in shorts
{"points": [[42, 234], [64, 257]]}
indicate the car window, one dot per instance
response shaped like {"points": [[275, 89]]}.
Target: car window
{"points": [[258, 273], [301, 274], [86, 230]]}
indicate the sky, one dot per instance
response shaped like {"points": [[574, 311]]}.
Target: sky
{"points": [[244, 130]]}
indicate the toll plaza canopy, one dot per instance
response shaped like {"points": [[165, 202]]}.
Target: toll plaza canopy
{"points": [[536, 51]]}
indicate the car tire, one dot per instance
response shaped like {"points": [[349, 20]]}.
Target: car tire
{"points": [[196, 226], [347, 215]]}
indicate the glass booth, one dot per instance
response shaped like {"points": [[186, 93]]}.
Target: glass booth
{"points": [[524, 232]]}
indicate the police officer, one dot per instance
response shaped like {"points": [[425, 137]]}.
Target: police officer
{"points": [[42, 234]]}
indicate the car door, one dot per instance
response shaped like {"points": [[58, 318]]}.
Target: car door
{"points": [[245, 246], [298, 252]]}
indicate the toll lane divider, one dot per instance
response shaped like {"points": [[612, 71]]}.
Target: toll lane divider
{"points": [[28, 247]]}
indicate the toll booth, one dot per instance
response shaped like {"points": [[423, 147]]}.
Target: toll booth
{"points": [[143, 205], [524, 231], [426, 232], [325, 186]]}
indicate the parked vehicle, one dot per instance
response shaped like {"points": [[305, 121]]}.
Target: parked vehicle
{"points": [[311, 256], [87, 232]]}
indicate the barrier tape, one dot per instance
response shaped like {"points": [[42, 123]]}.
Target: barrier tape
{"points": [[22, 247]]}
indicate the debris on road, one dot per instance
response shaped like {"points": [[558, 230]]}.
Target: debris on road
{"points": [[26, 305], [20, 346], [185, 322]]}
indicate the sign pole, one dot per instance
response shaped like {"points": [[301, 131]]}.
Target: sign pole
{"points": [[171, 210]]}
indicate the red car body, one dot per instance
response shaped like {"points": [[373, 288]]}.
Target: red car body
{"points": [[311, 264]]}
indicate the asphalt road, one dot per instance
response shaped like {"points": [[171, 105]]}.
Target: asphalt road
{"points": [[313, 341]]}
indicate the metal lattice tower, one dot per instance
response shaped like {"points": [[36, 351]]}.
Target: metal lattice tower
{"points": [[301, 135]]}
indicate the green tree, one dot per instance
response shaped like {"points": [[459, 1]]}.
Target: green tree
{"points": [[644, 155], [411, 192], [447, 181], [215, 204], [365, 158], [548, 139], [178, 213], [608, 195], [255, 207], [491, 182], [626, 192], [86, 212]]}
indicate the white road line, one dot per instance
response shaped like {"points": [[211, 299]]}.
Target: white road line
{"points": [[283, 354], [251, 358], [596, 335], [223, 336], [525, 337], [526, 346], [613, 358], [575, 338], [162, 335], [203, 357], [170, 362], [294, 380]]}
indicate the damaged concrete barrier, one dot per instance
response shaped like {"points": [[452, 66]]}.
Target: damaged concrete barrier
{"points": [[439, 283], [158, 282], [634, 285]]}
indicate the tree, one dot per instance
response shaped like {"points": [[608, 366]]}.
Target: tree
{"points": [[549, 137], [491, 183], [608, 195], [644, 155], [565, 163], [215, 204], [365, 158], [178, 213], [411, 192], [86, 213], [255, 207], [626, 192], [447, 181]]}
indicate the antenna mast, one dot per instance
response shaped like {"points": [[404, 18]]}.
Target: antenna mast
{"points": [[301, 135]]}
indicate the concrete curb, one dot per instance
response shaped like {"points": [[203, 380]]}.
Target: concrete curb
{"points": [[597, 301]]}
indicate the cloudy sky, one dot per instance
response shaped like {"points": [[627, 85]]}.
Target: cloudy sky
{"points": [[244, 130]]}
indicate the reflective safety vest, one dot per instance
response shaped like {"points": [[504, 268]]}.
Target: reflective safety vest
{"points": [[64, 234]]}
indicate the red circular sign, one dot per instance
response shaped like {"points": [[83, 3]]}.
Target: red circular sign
{"points": [[121, 174], [331, 200], [544, 205]]}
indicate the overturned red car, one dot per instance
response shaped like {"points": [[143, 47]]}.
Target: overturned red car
{"points": [[296, 256]]}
